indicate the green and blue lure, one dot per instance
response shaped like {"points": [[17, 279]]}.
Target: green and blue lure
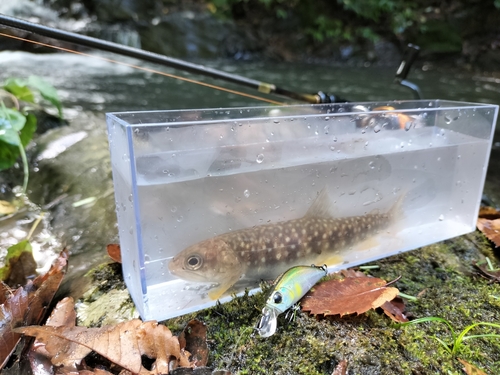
{"points": [[289, 288]]}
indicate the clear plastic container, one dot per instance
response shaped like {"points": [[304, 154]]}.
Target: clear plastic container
{"points": [[211, 201]]}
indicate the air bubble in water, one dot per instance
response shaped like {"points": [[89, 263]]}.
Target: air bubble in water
{"points": [[246, 193], [173, 209], [179, 218], [260, 158]]}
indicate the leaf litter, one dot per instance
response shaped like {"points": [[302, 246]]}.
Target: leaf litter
{"points": [[123, 344], [27, 305]]}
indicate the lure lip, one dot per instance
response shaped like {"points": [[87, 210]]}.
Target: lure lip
{"points": [[268, 323]]}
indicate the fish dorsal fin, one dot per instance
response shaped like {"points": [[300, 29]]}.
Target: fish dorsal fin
{"points": [[321, 207]]}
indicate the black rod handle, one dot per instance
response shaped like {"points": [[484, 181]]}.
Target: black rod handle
{"points": [[409, 57]]}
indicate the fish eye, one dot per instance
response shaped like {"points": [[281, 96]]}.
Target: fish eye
{"points": [[277, 297], [194, 262]]}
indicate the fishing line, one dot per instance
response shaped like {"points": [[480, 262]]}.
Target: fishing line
{"points": [[215, 87]]}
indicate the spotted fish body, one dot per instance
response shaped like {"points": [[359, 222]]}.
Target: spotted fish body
{"points": [[264, 252]]}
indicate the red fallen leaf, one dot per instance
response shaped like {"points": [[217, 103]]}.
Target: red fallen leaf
{"points": [[11, 316], [471, 369], [44, 288], [194, 339], [395, 310], [123, 344], [114, 252], [341, 368], [5, 292], [491, 229], [348, 296]]}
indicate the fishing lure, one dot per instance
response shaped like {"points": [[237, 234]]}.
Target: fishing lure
{"points": [[289, 288]]}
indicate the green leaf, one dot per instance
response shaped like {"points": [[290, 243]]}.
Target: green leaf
{"points": [[10, 136], [28, 130], [18, 88], [8, 155], [47, 91], [13, 252], [14, 119]]}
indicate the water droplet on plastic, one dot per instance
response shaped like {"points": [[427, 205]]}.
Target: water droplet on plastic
{"points": [[408, 125], [441, 217], [332, 148], [173, 209], [179, 218], [260, 158], [448, 119], [371, 165], [326, 129], [130, 199], [377, 128], [136, 130], [246, 193], [276, 121]]}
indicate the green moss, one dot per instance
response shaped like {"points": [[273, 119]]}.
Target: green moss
{"points": [[440, 274]]}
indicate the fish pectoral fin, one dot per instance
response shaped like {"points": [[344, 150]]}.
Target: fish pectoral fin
{"points": [[224, 285], [367, 244], [331, 260]]}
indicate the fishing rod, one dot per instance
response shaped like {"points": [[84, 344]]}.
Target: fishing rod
{"points": [[103, 45]]}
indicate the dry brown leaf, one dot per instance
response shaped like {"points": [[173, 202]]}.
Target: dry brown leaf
{"points": [[114, 252], [11, 316], [491, 229], [341, 368], [7, 208], [44, 288], [194, 339], [28, 305], [395, 310], [489, 213], [492, 275], [123, 344], [348, 296], [471, 369]]}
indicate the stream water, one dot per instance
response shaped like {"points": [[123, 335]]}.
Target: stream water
{"points": [[72, 163]]}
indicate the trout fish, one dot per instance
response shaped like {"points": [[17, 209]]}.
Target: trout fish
{"points": [[264, 252]]}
